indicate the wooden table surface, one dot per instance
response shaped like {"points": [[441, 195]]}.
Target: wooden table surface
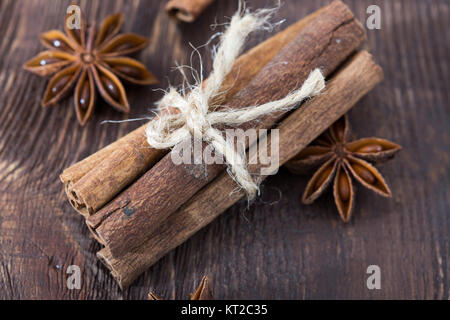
{"points": [[278, 248]]}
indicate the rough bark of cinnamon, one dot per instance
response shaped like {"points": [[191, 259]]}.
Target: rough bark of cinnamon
{"points": [[128, 160], [351, 83], [186, 10], [324, 43], [94, 181]]}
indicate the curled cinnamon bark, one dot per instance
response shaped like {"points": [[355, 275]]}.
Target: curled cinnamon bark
{"points": [[186, 10], [346, 88], [337, 35], [94, 181], [325, 43]]}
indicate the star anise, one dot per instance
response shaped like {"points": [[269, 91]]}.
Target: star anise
{"points": [[90, 58], [335, 155], [203, 292]]}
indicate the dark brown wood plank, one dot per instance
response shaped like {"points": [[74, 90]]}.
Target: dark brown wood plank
{"points": [[278, 248]]}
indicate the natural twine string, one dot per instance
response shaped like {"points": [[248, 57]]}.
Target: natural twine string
{"points": [[195, 117]]}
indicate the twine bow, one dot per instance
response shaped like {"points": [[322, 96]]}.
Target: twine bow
{"points": [[195, 117]]}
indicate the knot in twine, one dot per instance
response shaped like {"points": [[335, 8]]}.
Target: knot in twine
{"points": [[196, 117]]}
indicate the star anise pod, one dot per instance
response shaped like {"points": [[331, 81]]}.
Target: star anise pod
{"points": [[89, 58], [336, 156], [203, 292]]}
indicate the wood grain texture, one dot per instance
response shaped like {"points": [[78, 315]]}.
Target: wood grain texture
{"points": [[278, 248]]}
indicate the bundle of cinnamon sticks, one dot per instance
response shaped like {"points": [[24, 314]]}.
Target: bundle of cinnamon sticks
{"points": [[140, 205]]}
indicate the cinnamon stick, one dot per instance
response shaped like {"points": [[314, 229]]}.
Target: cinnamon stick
{"points": [[127, 159], [186, 10], [324, 43], [347, 87], [94, 181]]}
